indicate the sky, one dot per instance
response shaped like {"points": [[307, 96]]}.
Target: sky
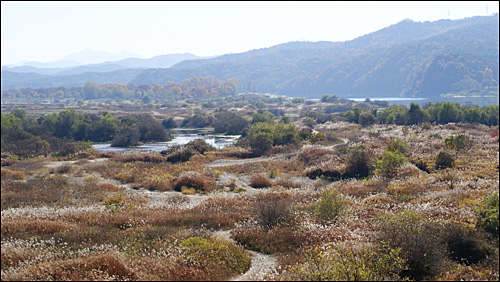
{"points": [[48, 31]]}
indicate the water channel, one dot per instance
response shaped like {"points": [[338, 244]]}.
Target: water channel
{"points": [[180, 136]]}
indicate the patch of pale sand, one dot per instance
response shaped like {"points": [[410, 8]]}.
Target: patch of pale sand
{"points": [[57, 164]]}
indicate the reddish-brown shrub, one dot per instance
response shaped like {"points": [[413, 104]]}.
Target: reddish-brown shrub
{"points": [[200, 182], [36, 226], [315, 155], [13, 174], [260, 181], [140, 157], [287, 183], [109, 187], [273, 208], [98, 267], [357, 189]]}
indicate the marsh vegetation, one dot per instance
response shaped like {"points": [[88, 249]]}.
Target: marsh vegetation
{"points": [[309, 192]]}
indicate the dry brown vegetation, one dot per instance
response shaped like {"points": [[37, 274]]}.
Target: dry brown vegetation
{"points": [[124, 217]]}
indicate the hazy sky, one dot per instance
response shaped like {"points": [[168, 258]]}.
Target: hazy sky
{"points": [[47, 31]]}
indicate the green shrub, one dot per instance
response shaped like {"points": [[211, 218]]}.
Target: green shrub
{"points": [[487, 215], [180, 156], [199, 145], [396, 145], [419, 240], [444, 160], [215, 256], [457, 142], [389, 164], [345, 263], [262, 136], [359, 162], [331, 206]]}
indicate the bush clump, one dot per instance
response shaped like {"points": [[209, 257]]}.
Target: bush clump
{"points": [[346, 263], [359, 162], [199, 182], [331, 206], [465, 245], [180, 156], [14, 174], [444, 160], [260, 181], [487, 215], [273, 209], [418, 239], [218, 258], [389, 164], [199, 145]]}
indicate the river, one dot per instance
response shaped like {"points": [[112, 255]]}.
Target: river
{"points": [[180, 136]]}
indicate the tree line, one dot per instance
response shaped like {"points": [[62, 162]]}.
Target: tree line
{"points": [[439, 113], [68, 131], [191, 87]]}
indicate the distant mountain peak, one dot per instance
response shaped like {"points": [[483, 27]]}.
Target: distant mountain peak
{"points": [[89, 56]]}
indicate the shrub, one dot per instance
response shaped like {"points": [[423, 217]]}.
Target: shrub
{"points": [[273, 209], [315, 155], [16, 175], [199, 145], [199, 182], [64, 168], [180, 156], [331, 206], [359, 162], [396, 145], [418, 239], [287, 183], [314, 173], [260, 181], [487, 215], [215, 256], [457, 142], [140, 157], [422, 165], [465, 245], [444, 160], [389, 164], [277, 239], [97, 267], [345, 263], [261, 143], [117, 202]]}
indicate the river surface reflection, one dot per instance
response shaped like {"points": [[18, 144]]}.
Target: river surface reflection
{"points": [[180, 136]]}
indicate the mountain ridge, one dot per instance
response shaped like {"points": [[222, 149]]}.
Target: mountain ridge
{"points": [[391, 61]]}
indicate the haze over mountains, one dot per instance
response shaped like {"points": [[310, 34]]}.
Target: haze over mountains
{"points": [[411, 59]]}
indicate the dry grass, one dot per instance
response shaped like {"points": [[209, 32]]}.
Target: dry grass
{"points": [[35, 226], [57, 226]]}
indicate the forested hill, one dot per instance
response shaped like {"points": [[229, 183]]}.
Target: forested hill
{"points": [[408, 58], [391, 62]]}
